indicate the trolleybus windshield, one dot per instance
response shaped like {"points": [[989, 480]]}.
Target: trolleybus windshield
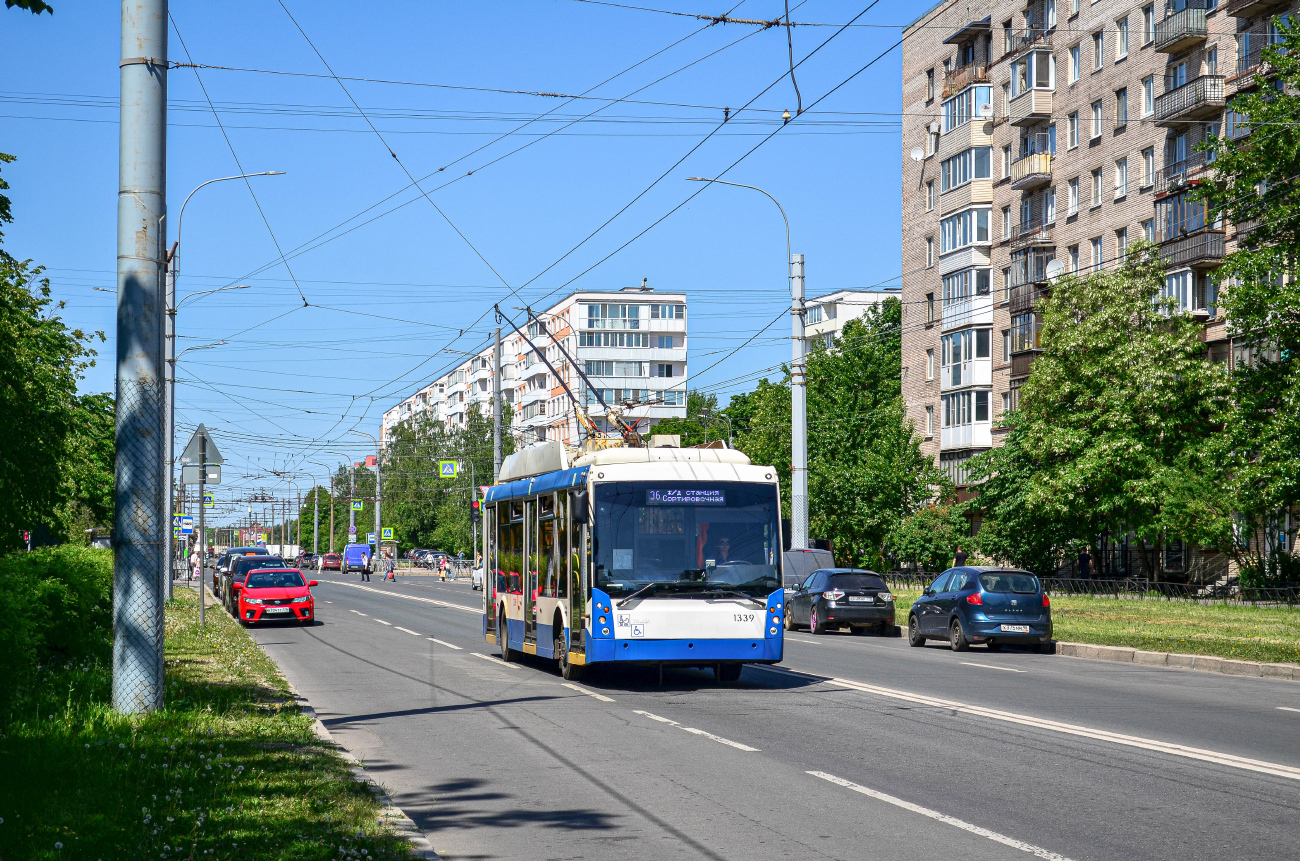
{"points": [[687, 538]]}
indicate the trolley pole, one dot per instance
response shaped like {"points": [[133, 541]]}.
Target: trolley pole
{"points": [[496, 404], [140, 487]]}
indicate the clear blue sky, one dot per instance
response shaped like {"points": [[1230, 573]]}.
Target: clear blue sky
{"points": [[291, 381]]}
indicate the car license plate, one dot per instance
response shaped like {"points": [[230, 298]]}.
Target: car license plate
{"points": [[860, 599], [1015, 629], [287, 610]]}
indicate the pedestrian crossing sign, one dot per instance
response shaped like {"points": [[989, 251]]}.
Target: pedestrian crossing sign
{"points": [[447, 468], [356, 505], [207, 500], [387, 532]]}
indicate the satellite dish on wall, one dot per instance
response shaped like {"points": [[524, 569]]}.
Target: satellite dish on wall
{"points": [[986, 111], [1055, 269], [917, 154]]}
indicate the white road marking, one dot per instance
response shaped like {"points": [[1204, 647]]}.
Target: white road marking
{"points": [[478, 611], [382, 622], [358, 612], [1288, 709], [1201, 754], [329, 602], [441, 643], [992, 667], [941, 817], [582, 690], [798, 640], [408, 631], [719, 739], [494, 660]]}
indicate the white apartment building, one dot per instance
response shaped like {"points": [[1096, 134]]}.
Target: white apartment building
{"points": [[827, 315], [629, 343]]}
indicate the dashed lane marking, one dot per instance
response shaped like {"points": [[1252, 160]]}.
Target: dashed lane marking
{"points": [[1037, 851], [719, 739], [497, 661], [407, 631], [478, 611], [358, 612], [582, 690], [443, 643], [992, 667], [382, 622], [1288, 709]]}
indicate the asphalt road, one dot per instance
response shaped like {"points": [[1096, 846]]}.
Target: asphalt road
{"points": [[857, 747]]}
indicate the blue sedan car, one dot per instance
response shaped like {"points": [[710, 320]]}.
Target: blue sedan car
{"points": [[975, 604]]}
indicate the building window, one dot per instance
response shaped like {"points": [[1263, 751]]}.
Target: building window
{"points": [[1074, 8], [1121, 243], [1096, 119], [1049, 206], [1035, 70], [929, 85], [1006, 402], [1097, 252], [965, 166], [668, 312], [1006, 161], [1098, 57], [1148, 95], [660, 369], [1073, 121], [1050, 9], [929, 364], [1006, 283], [1072, 197], [1121, 107], [1121, 177], [1149, 230], [1006, 345], [1006, 222], [929, 307], [929, 195], [1073, 254], [1096, 187], [1074, 63], [665, 342], [1148, 167], [1148, 24], [613, 316], [1121, 39], [929, 251], [1024, 332], [1212, 60], [965, 228], [965, 106], [929, 421]]}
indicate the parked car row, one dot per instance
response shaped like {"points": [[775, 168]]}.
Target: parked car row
{"points": [[254, 586], [964, 606]]}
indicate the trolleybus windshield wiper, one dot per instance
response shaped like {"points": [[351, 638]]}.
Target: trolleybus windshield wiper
{"points": [[730, 593], [644, 590]]}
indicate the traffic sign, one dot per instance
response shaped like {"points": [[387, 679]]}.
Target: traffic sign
{"points": [[207, 500], [187, 525], [370, 538], [356, 505], [387, 532], [352, 530], [192, 453], [190, 474], [447, 468]]}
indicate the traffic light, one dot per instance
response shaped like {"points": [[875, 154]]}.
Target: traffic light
{"points": [[476, 512]]}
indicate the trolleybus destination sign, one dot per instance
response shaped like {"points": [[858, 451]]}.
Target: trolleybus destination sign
{"points": [[685, 496]]}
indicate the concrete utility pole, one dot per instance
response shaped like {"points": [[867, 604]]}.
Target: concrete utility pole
{"points": [[496, 405], [352, 494], [334, 503], [203, 475], [140, 485], [315, 520], [798, 412]]}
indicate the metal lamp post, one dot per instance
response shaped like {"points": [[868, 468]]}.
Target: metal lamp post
{"points": [[798, 383], [378, 486]]}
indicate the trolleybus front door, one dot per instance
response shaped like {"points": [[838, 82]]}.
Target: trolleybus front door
{"points": [[531, 557]]}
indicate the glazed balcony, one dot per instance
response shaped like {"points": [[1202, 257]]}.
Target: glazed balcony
{"points": [[1031, 106]]}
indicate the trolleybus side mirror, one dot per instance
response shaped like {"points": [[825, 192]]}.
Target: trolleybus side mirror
{"points": [[578, 505]]}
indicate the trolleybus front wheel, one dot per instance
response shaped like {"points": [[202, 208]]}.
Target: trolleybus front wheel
{"points": [[569, 671]]}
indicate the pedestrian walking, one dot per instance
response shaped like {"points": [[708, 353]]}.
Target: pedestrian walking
{"points": [[196, 565], [442, 568], [365, 567], [391, 568], [1085, 564], [960, 558]]}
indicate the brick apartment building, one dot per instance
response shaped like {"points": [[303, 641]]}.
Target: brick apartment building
{"points": [[1043, 138]]}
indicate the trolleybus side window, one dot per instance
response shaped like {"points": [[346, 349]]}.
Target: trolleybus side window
{"points": [[561, 556], [512, 548], [546, 562]]}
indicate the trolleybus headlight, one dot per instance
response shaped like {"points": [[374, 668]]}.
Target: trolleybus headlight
{"points": [[602, 620]]}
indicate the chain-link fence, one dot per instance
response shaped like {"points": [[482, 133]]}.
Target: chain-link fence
{"points": [[139, 566]]}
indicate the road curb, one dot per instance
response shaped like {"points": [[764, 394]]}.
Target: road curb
{"points": [[389, 813], [1178, 661]]}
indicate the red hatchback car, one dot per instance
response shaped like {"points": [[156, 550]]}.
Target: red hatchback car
{"points": [[275, 594], [332, 561]]}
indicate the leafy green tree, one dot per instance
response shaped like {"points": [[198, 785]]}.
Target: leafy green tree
{"points": [[41, 361], [927, 538], [88, 469], [36, 7], [767, 438], [1253, 185], [1111, 419]]}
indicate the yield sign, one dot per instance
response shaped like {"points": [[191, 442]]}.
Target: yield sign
{"points": [[192, 454]]}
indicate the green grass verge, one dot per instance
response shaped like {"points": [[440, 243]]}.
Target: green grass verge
{"points": [[229, 769], [1245, 633]]}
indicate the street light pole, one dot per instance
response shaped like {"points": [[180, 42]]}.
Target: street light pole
{"points": [[798, 382], [169, 337]]}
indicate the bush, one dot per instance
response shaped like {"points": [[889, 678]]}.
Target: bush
{"points": [[57, 604]]}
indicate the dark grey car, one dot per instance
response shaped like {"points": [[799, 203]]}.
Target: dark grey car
{"points": [[842, 598]]}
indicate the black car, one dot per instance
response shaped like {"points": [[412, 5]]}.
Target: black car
{"points": [[842, 597], [239, 568]]}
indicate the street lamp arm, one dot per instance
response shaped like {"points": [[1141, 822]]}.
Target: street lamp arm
{"points": [[760, 191], [206, 292], [180, 219]]}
